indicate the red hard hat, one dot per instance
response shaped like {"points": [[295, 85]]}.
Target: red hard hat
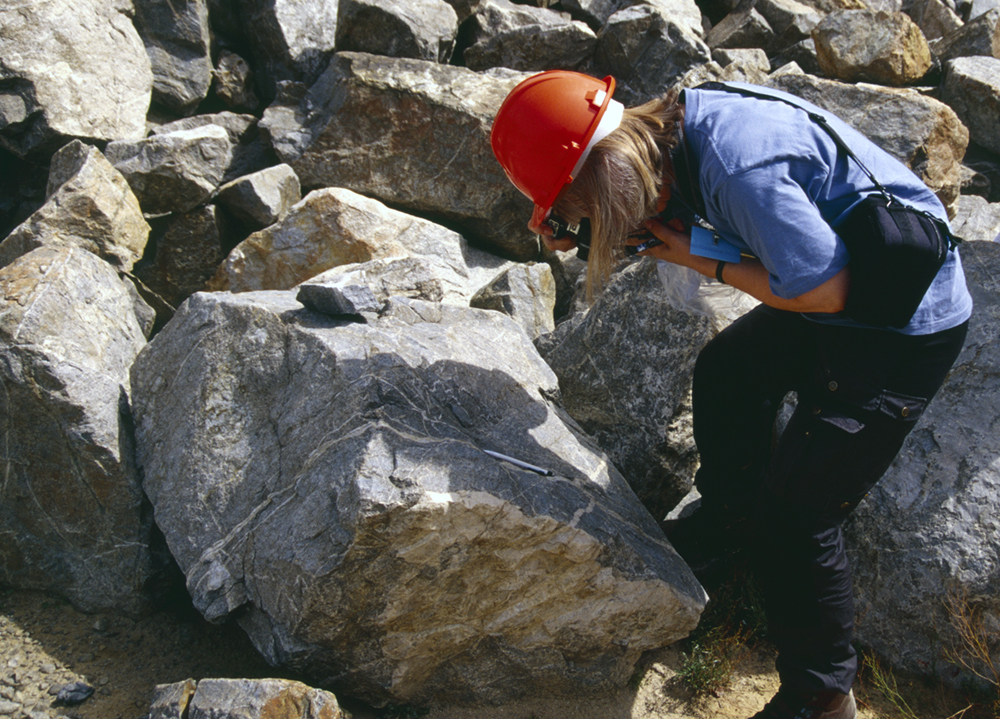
{"points": [[546, 126]]}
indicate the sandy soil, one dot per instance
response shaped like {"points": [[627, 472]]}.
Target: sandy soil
{"points": [[45, 644]]}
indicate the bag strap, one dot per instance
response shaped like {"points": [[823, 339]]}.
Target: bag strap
{"points": [[823, 123]]}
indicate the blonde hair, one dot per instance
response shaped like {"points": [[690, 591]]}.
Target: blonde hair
{"points": [[618, 187]]}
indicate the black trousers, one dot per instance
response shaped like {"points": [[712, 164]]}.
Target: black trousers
{"points": [[860, 392]]}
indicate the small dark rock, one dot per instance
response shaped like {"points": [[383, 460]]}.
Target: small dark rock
{"points": [[74, 693]]}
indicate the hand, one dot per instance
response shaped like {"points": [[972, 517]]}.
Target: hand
{"points": [[564, 244], [676, 239]]}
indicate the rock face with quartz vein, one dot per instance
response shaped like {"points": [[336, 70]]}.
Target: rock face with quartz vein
{"points": [[326, 478]]}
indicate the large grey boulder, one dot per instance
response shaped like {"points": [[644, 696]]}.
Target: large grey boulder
{"points": [[178, 40], [647, 52], [365, 287], [89, 205], [326, 481], [412, 134], [334, 227], [70, 70], [72, 513], [972, 88], [923, 133], [929, 533], [176, 171], [242, 699], [292, 40], [526, 38], [886, 48], [425, 30], [624, 369], [770, 25]]}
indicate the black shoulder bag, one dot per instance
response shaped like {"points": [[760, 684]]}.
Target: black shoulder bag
{"points": [[896, 250]]}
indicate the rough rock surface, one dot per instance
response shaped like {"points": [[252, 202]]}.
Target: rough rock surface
{"points": [[261, 198], [627, 399], [647, 52], [242, 699], [178, 40], [929, 532], [872, 46], [972, 88], [412, 134], [176, 171], [424, 30], [234, 82], [410, 277], [187, 249], [526, 38], [335, 227], [89, 205], [978, 37], [527, 293], [53, 57], [72, 514], [328, 480], [251, 152], [293, 39]]}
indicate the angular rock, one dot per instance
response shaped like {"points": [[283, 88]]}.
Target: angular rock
{"points": [[921, 132], [526, 38], [410, 277], [338, 298], [791, 21], [526, 293], [977, 37], [70, 70], [625, 399], [328, 480], [929, 533], [741, 29], [972, 88], [981, 7], [683, 12], [748, 57], [737, 71], [976, 219], [251, 152], [647, 52], [175, 171], [869, 46], [423, 31], [335, 227], [935, 20], [170, 701], [981, 173], [243, 699], [178, 40], [261, 198], [234, 82], [292, 40], [187, 250], [89, 205], [412, 134], [802, 54], [72, 513]]}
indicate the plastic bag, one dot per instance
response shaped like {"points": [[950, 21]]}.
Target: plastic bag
{"points": [[691, 292]]}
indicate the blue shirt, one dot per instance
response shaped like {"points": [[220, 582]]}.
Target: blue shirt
{"points": [[775, 185]]}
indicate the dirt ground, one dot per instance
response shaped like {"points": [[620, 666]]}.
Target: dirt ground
{"points": [[46, 644]]}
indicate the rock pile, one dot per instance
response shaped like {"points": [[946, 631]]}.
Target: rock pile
{"points": [[268, 300]]}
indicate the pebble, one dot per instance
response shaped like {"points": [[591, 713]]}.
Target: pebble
{"points": [[8, 708]]}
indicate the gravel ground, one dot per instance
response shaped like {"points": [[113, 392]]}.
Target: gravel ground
{"points": [[45, 645]]}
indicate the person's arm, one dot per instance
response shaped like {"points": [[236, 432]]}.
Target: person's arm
{"points": [[749, 275]]}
